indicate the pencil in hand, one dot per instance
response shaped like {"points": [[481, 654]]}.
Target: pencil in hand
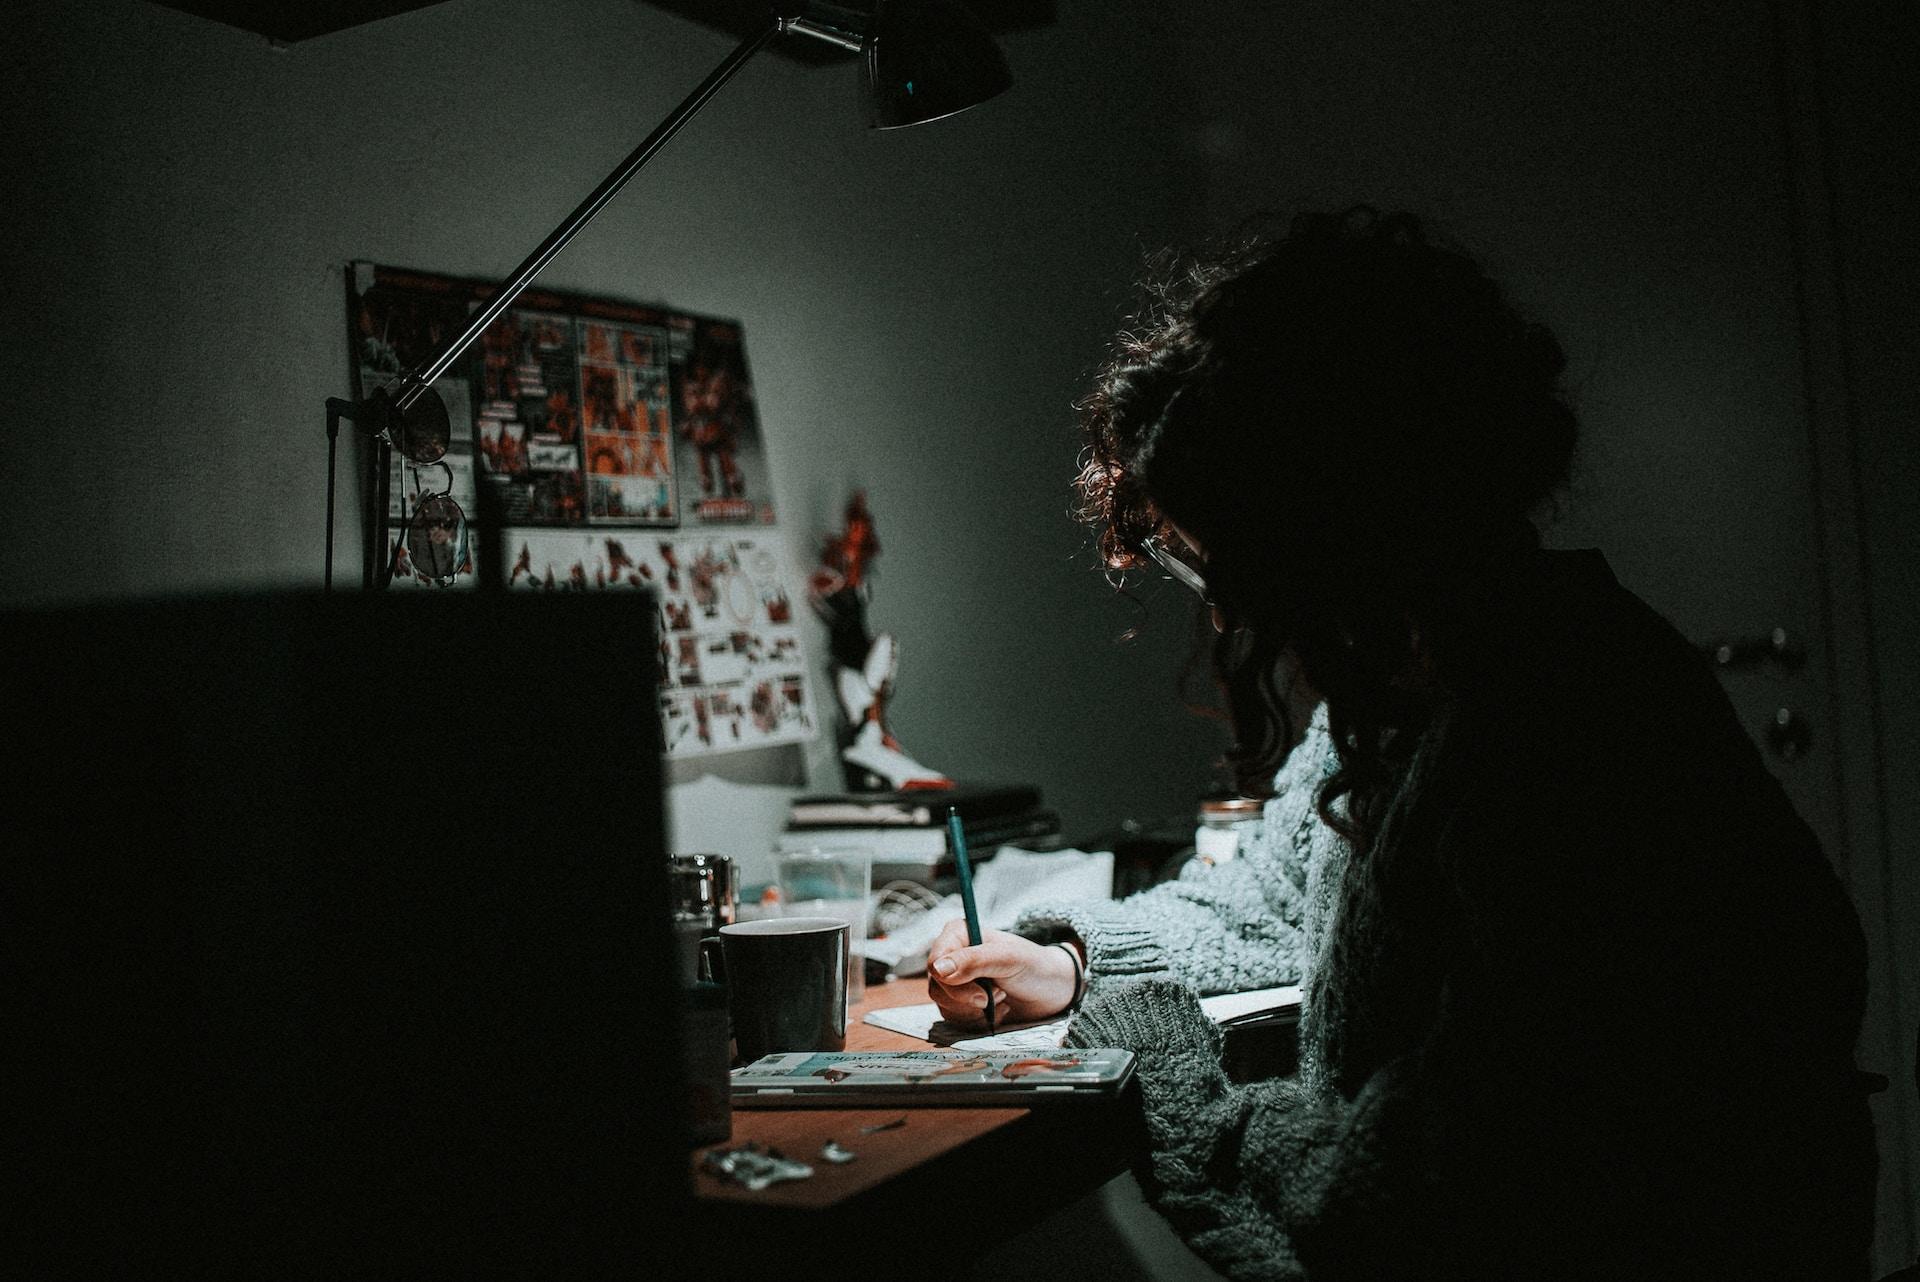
{"points": [[958, 840]]}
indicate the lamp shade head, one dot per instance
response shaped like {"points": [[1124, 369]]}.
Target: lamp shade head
{"points": [[929, 58]]}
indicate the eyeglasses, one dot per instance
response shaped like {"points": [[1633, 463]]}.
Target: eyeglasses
{"points": [[1179, 567], [432, 542]]}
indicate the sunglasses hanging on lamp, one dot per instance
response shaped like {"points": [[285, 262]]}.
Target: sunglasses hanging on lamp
{"points": [[921, 60]]}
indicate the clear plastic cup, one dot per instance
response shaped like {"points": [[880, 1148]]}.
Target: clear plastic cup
{"points": [[836, 882]]}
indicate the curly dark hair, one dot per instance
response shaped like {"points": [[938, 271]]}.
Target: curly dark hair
{"points": [[1355, 425]]}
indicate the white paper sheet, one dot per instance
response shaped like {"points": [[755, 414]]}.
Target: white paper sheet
{"points": [[923, 1021], [1226, 1008], [1002, 887]]}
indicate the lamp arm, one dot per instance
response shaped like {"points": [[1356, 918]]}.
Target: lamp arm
{"points": [[415, 381]]}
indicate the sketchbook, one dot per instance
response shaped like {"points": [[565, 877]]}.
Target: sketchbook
{"points": [[1229, 1010], [935, 1078]]}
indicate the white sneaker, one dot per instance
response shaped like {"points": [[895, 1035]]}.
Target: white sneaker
{"points": [[873, 749]]}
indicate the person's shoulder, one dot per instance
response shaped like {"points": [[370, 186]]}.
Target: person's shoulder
{"points": [[1592, 636], [1582, 583], [1585, 678]]}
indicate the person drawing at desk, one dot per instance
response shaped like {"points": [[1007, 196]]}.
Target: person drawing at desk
{"points": [[1236, 927], [1582, 992]]}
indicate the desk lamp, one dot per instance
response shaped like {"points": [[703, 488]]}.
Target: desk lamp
{"points": [[923, 60]]}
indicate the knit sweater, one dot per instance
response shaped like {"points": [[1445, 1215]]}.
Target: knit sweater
{"points": [[1248, 923], [1587, 1006]]}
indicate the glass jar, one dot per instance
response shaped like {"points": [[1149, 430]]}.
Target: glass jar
{"points": [[1226, 824]]}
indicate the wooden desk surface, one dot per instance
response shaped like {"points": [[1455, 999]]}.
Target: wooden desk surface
{"points": [[882, 1156], [894, 1198]]}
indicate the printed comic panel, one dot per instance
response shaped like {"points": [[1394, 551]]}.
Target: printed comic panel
{"points": [[719, 456], [742, 715], [677, 724], [627, 426], [395, 328], [576, 560], [545, 560], [732, 661], [528, 418]]}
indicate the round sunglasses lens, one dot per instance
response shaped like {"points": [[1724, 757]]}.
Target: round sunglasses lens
{"points": [[437, 538], [421, 433]]}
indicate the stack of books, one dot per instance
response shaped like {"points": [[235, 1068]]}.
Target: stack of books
{"points": [[907, 831]]}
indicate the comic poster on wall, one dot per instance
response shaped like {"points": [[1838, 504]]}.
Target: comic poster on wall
{"points": [[732, 672], [616, 443], [579, 411], [723, 470], [735, 675]]}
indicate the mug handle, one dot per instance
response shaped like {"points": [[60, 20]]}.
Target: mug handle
{"points": [[713, 961]]}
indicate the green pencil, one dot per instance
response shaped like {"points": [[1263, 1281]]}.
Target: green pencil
{"points": [[965, 865]]}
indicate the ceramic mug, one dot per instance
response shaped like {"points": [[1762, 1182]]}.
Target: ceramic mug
{"points": [[786, 983]]}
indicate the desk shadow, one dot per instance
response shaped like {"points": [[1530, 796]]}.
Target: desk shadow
{"points": [[1110, 1234]]}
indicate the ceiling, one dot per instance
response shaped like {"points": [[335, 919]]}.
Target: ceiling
{"points": [[740, 18], [290, 20]]}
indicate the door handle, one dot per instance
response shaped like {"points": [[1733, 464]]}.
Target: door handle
{"points": [[1747, 652], [1789, 735]]}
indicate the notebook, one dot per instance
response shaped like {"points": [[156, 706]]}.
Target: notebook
{"points": [[934, 1078]]}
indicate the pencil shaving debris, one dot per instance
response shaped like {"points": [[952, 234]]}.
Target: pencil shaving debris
{"points": [[832, 1152], [754, 1166], [891, 1124]]}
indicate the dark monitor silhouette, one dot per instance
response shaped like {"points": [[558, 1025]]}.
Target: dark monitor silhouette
{"points": [[334, 934]]}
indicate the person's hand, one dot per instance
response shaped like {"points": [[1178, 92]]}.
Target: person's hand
{"points": [[1030, 981]]}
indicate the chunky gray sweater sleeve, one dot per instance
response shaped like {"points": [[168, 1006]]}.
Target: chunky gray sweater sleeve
{"points": [[1199, 1125], [1284, 1179], [1229, 928]]}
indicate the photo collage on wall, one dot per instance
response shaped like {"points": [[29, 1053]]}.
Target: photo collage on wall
{"points": [[621, 446]]}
